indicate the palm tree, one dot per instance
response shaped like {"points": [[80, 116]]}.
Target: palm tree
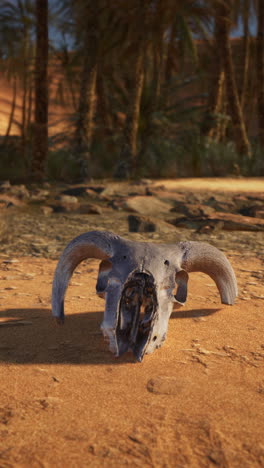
{"points": [[129, 150], [88, 25], [225, 73], [40, 143], [171, 30], [12, 112], [260, 68], [245, 7], [16, 37]]}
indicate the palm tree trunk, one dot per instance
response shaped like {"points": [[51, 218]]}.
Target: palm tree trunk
{"points": [[170, 61], [87, 95], [212, 126], [86, 108], [30, 103], [103, 107], [24, 110], [129, 150], [40, 142], [260, 69], [12, 112], [239, 129], [158, 69], [246, 50]]}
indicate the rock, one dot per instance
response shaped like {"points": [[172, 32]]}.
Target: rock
{"points": [[88, 208], [7, 201], [175, 197], [226, 221], [207, 228], [143, 182], [17, 191], [236, 222], [20, 191], [259, 213], [4, 184], [220, 203], [193, 210], [46, 210], [91, 193], [116, 204], [147, 205], [255, 211], [39, 195], [139, 223], [67, 199], [65, 207], [75, 191]]}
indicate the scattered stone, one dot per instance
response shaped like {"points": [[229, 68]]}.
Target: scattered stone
{"points": [[67, 199], [4, 184], [91, 193], [259, 213], [193, 210], [220, 203], [75, 191], [140, 224], [226, 221], [90, 209], [39, 195], [137, 223], [12, 260], [47, 210], [147, 205], [116, 204], [19, 191], [7, 201], [66, 207]]}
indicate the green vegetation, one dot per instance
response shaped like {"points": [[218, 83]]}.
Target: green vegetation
{"points": [[153, 89]]}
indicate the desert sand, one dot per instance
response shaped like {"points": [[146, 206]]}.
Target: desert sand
{"points": [[66, 401]]}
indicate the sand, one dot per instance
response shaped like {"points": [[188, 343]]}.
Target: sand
{"points": [[66, 401]]}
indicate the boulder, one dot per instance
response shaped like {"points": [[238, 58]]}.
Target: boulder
{"points": [[65, 207], [18, 191], [88, 208], [226, 221], [147, 205], [139, 223], [254, 211], [7, 201], [83, 190], [193, 210], [67, 199], [39, 195], [47, 210]]}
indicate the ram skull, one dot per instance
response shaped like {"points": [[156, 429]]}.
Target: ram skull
{"points": [[140, 281]]}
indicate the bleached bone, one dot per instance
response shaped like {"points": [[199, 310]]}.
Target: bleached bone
{"points": [[140, 281]]}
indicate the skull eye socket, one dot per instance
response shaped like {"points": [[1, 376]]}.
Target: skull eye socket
{"points": [[182, 282], [166, 262]]}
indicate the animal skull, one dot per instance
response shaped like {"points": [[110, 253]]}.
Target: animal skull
{"points": [[138, 281]]}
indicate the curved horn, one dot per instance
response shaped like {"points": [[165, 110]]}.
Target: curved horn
{"points": [[94, 244], [199, 256]]}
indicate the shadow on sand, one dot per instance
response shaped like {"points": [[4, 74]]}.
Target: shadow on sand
{"points": [[30, 336]]}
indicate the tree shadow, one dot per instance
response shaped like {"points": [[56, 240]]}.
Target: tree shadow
{"points": [[31, 336]]}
